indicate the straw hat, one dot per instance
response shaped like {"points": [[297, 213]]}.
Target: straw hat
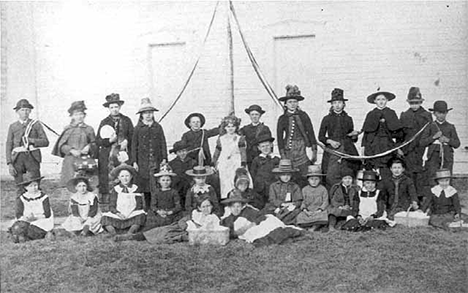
{"points": [[235, 196], [199, 115], [443, 174], [28, 178], [116, 171], [314, 170], [146, 105], [198, 171], [165, 170], [285, 166]]}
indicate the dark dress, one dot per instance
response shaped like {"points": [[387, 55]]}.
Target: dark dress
{"points": [[261, 174], [251, 133], [336, 127], [196, 192], [248, 213], [399, 194], [182, 181], [167, 200], [443, 205], [123, 127], [255, 199], [193, 140], [341, 196]]}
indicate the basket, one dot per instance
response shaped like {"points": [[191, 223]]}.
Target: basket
{"points": [[412, 219], [214, 237]]}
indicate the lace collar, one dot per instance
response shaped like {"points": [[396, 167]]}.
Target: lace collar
{"points": [[449, 191]]}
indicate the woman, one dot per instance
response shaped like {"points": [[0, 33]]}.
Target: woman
{"points": [[76, 141]]}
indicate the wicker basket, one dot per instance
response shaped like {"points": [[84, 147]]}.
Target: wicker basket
{"points": [[214, 237], [409, 219]]}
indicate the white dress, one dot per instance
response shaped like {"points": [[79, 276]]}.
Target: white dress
{"points": [[33, 208], [229, 160], [84, 202]]}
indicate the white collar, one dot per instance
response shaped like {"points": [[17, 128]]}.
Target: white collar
{"points": [[131, 189], [264, 156], [438, 122], [255, 124], [449, 191], [202, 189]]}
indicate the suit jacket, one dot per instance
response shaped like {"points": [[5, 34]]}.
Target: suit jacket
{"points": [[406, 193], [448, 130], [251, 134], [194, 139], [37, 138]]}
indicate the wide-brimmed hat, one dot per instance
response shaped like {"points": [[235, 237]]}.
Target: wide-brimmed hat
{"points": [[414, 95], [284, 166], [146, 105], [369, 175], [337, 95], [28, 178], [116, 171], [71, 184], [314, 170], [23, 103], [292, 92], [178, 146], [443, 174], [440, 106], [254, 108], [165, 170], [113, 99], [235, 196], [77, 106], [345, 171], [198, 171], [396, 160], [263, 138], [199, 115], [390, 96]]}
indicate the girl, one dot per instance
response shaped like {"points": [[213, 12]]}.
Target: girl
{"points": [[34, 217], [344, 200], [239, 208], [242, 182], [76, 140], [381, 127], [230, 153], [315, 201], [126, 203], [148, 148], [337, 132], [201, 189], [85, 215]]}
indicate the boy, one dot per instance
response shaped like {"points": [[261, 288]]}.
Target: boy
{"points": [[262, 166], [193, 138], [24, 139], [412, 120], [441, 138], [179, 165], [344, 200]]}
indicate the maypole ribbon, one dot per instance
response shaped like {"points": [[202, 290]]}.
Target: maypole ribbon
{"points": [[194, 66], [353, 157]]}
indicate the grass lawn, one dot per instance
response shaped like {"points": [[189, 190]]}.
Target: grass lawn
{"points": [[397, 260]]}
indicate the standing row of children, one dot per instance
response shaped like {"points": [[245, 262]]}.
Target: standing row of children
{"points": [[250, 149]]}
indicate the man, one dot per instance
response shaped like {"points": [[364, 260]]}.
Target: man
{"points": [[24, 139]]}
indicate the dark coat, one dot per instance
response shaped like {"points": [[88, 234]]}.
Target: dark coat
{"points": [[124, 130], [442, 204], [338, 199], [278, 191], [285, 132], [167, 200], [406, 194], [449, 131], [412, 122], [182, 181], [193, 139], [37, 138], [256, 200], [251, 134], [261, 173]]}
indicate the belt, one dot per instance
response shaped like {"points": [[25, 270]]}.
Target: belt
{"points": [[23, 149]]}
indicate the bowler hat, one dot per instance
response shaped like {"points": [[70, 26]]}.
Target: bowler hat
{"points": [[71, 184], [113, 99], [165, 170], [314, 170], [285, 166], [23, 103], [263, 138], [369, 175], [443, 174], [28, 178], [440, 106], [235, 196], [116, 171], [337, 95], [292, 92], [371, 99], [77, 106], [199, 115], [254, 108], [199, 171], [414, 95], [178, 146], [146, 105]]}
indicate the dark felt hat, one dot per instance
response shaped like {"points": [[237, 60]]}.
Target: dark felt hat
{"points": [[369, 175], [285, 166], [146, 105], [23, 103], [396, 160], [116, 171], [443, 174], [235, 196], [337, 95], [254, 108], [440, 106], [345, 171], [371, 99], [292, 92], [178, 146], [77, 106], [28, 178], [199, 171], [71, 184], [113, 99], [199, 115], [414, 95], [263, 138]]}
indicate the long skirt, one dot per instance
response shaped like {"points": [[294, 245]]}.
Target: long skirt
{"points": [[123, 223], [76, 224], [312, 218]]}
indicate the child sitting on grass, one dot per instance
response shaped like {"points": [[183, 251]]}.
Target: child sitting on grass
{"points": [[443, 202], [344, 200], [34, 217], [239, 208], [126, 203], [201, 189], [285, 196], [371, 206], [85, 216], [241, 183], [315, 201]]}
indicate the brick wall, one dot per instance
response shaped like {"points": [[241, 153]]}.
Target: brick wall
{"points": [[84, 51]]}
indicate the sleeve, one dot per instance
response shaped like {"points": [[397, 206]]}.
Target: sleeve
{"points": [[91, 141], [19, 208], [243, 150], [280, 129], [297, 195], [380, 205], [139, 202], [74, 208], [454, 141], [426, 136], [162, 144], [392, 121], [93, 209], [412, 191], [134, 148], [154, 200], [254, 168], [113, 201], [188, 201], [310, 131], [355, 204], [104, 142], [41, 140], [427, 204], [371, 122], [351, 129], [272, 198], [9, 145], [212, 132], [46, 207], [62, 143], [177, 207], [456, 203], [216, 207], [324, 200], [129, 136], [323, 130], [217, 151]]}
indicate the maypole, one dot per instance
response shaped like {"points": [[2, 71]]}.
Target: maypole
{"points": [[231, 59]]}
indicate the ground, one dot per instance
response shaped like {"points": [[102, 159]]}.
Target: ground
{"points": [[396, 260]]}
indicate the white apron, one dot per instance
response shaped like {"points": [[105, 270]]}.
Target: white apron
{"points": [[33, 206], [126, 203]]}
